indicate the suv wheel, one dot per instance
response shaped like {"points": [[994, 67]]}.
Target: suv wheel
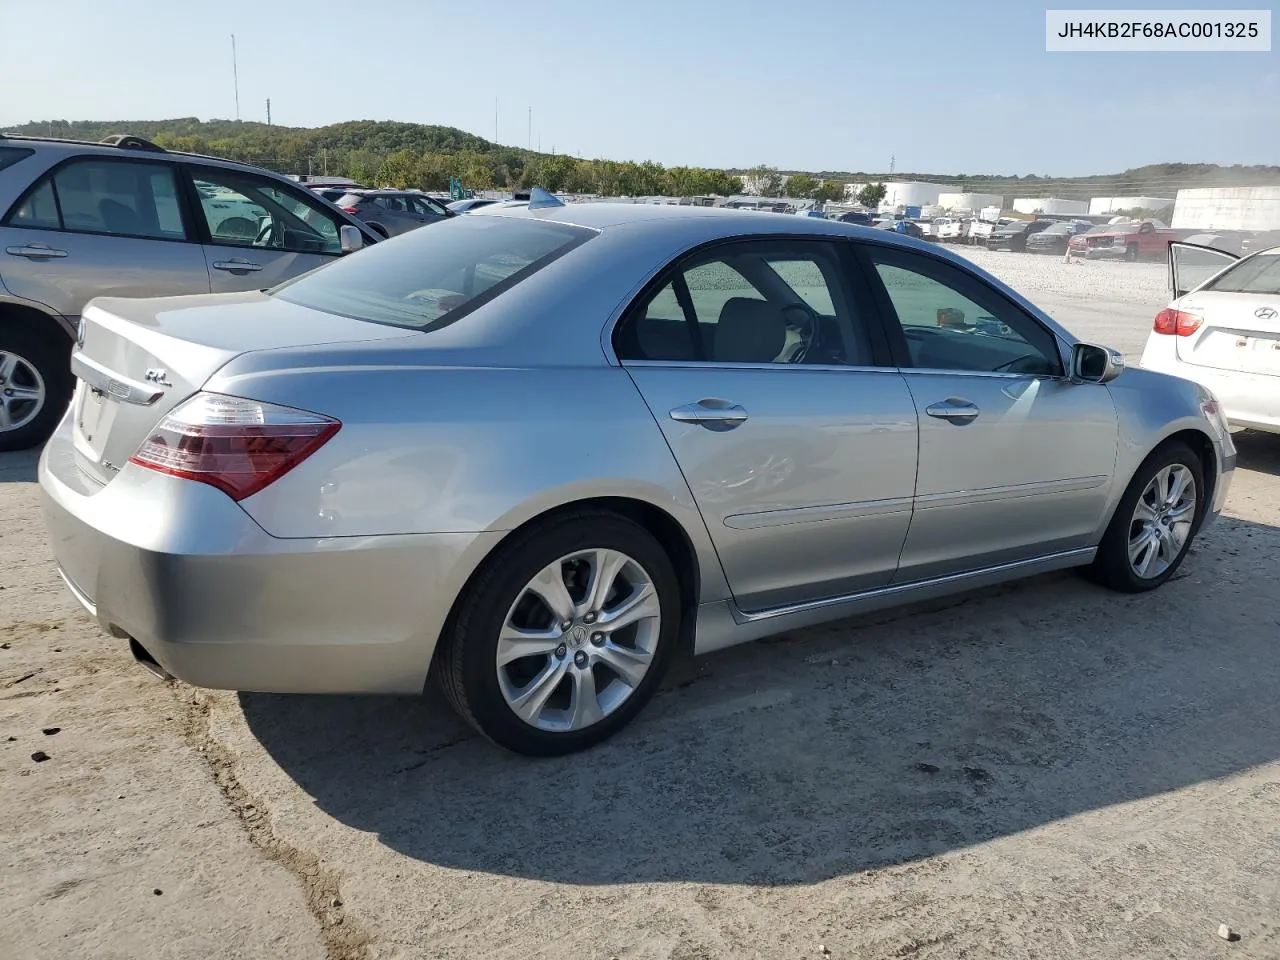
{"points": [[35, 387]]}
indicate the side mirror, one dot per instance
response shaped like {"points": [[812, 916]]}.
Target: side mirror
{"points": [[1093, 364], [350, 238]]}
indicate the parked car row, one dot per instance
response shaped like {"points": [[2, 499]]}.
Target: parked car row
{"points": [[126, 218]]}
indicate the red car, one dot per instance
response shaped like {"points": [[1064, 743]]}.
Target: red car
{"points": [[1133, 240]]}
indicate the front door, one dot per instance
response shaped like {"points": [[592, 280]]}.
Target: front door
{"points": [[1016, 460], [800, 452], [1191, 264], [258, 232], [100, 227]]}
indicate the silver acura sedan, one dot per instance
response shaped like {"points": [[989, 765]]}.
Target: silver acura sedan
{"points": [[533, 449]]}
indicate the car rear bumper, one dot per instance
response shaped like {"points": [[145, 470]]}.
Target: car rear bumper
{"points": [[181, 569]]}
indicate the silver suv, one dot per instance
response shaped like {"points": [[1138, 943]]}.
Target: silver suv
{"points": [[126, 218]]}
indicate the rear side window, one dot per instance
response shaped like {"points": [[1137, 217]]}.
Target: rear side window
{"points": [[38, 210], [11, 155], [120, 198], [1260, 274], [429, 278]]}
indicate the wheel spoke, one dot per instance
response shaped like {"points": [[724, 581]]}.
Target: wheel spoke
{"points": [[5, 421], [630, 665], [8, 363], [1183, 512], [584, 705], [514, 643], [639, 606], [605, 567], [531, 698], [22, 393], [1178, 480], [1142, 549], [549, 585]]}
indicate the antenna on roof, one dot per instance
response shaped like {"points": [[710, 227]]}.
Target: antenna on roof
{"points": [[541, 198]]}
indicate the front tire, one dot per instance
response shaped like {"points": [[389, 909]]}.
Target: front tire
{"points": [[35, 386], [564, 635], [1131, 254], [1154, 523]]}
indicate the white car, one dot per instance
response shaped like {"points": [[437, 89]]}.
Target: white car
{"points": [[1222, 330]]}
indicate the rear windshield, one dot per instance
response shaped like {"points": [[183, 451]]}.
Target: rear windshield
{"points": [[1257, 274], [430, 277]]}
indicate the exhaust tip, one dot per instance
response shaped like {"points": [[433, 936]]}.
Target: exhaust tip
{"points": [[147, 660]]}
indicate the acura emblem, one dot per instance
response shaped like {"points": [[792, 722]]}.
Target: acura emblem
{"points": [[1265, 313]]}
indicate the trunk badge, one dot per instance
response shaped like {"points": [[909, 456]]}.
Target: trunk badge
{"points": [[1265, 313], [157, 375]]}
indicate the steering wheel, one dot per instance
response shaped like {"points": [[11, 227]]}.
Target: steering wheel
{"points": [[270, 235], [810, 328]]}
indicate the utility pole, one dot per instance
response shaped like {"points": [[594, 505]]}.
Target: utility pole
{"points": [[235, 74], [324, 152], [529, 142], [892, 160], [268, 111]]}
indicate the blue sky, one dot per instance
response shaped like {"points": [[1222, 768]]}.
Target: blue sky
{"points": [[946, 87]]}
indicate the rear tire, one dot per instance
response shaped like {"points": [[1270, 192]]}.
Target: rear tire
{"points": [[1147, 530], [485, 676], [36, 372]]}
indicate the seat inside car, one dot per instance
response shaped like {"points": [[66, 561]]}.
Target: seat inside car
{"points": [[749, 331]]}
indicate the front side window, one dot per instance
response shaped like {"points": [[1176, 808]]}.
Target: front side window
{"points": [[243, 210], [428, 206], [121, 198], [429, 278], [759, 301], [952, 321]]}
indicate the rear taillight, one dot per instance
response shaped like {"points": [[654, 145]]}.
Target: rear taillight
{"points": [[239, 446], [350, 209], [1173, 322]]}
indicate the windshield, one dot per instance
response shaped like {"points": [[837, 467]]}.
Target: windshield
{"points": [[1257, 274], [1057, 228], [1123, 228], [427, 278]]}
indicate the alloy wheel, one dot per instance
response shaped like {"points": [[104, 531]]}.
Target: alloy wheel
{"points": [[578, 640], [22, 391], [1162, 521]]}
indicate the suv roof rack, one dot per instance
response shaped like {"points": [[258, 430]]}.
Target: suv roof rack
{"points": [[127, 141], [124, 141]]}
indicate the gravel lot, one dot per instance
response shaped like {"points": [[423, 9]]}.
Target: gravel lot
{"points": [[1041, 770]]}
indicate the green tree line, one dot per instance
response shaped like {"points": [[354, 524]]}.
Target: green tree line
{"points": [[403, 155]]}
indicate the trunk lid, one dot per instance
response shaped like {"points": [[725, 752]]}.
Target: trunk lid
{"points": [[138, 359], [1241, 332]]}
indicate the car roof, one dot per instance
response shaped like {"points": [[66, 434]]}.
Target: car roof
{"points": [[129, 146]]}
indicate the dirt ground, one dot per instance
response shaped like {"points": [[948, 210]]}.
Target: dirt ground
{"points": [[1044, 770]]}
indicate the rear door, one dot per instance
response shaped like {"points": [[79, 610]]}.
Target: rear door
{"points": [[101, 226], [798, 445], [257, 231], [1016, 460]]}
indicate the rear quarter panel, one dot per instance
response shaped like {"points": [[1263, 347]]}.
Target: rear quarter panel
{"points": [[467, 449]]}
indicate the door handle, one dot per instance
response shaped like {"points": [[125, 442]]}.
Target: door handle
{"points": [[953, 409], [35, 251], [237, 265], [711, 413]]}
